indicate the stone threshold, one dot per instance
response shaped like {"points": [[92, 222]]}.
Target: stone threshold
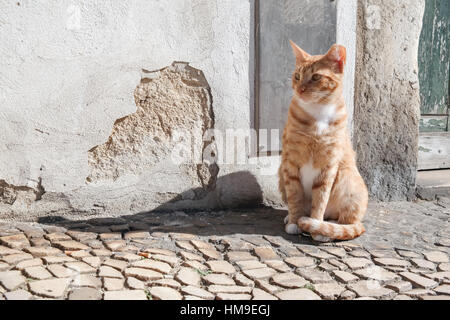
{"points": [[433, 183]]}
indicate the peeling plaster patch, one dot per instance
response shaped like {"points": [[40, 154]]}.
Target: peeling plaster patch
{"points": [[171, 100], [9, 193]]}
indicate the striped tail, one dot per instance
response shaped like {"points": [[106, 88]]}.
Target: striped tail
{"points": [[331, 230]]}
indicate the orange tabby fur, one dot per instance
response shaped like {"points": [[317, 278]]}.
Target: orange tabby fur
{"points": [[318, 175]]}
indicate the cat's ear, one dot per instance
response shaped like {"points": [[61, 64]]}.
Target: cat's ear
{"points": [[300, 55], [337, 56]]}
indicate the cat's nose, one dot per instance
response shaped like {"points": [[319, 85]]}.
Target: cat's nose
{"points": [[302, 89]]}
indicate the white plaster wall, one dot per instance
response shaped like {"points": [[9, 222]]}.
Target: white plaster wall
{"points": [[68, 70], [65, 77]]}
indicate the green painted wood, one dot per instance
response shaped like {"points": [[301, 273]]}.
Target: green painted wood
{"points": [[433, 124], [434, 58]]}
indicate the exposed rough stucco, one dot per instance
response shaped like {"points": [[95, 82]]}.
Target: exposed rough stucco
{"points": [[66, 77], [387, 103], [174, 100], [9, 193]]}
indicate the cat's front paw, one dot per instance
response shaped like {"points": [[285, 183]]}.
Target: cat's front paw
{"points": [[286, 219], [292, 229]]}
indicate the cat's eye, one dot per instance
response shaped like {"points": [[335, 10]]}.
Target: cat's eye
{"points": [[316, 77], [297, 76]]}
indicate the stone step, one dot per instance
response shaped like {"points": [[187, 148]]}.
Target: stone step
{"points": [[433, 183]]}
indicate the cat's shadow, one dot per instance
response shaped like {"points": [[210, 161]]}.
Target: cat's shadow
{"points": [[241, 214]]}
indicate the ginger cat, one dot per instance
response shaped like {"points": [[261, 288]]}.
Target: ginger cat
{"points": [[318, 175]]}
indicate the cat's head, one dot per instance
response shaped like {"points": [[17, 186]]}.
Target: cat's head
{"points": [[319, 79]]}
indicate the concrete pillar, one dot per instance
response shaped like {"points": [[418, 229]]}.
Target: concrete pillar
{"points": [[387, 102]]}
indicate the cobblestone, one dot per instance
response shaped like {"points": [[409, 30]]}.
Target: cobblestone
{"points": [[13, 259], [418, 281], [233, 296], [368, 288], [18, 295], [330, 290], [400, 286], [17, 241], [143, 274], [243, 280], [347, 295], [188, 276], [167, 283], [423, 264], [52, 288], [219, 279], [38, 272], [357, 263], [300, 262], [246, 255], [197, 292], [262, 273], [158, 266], [417, 293], [165, 293], [298, 294], [80, 267], [377, 273], [221, 266], [94, 262], [113, 284], [229, 289], [289, 280], [436, 256], [11, 280], [125, 295], [266, 286], [240, 256], [259, 294], [391, 262], [344, 276], [109, 272], [444, 266], [85, 294], [87, 281], [314, 275], [280, 266], [4, 266], [266, 253], [60, 271]]}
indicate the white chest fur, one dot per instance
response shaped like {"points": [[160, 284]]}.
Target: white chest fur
{"points": [[307, 176], [324, 114]]}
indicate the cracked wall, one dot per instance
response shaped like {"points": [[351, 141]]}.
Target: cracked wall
{"points": [[64, 83], [172, 100]]}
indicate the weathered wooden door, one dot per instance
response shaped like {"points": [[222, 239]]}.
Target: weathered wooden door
{"points": [[312, 25], [434, 66]]}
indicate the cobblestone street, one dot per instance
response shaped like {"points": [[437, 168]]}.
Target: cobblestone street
{"points": [[224, 255]]}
